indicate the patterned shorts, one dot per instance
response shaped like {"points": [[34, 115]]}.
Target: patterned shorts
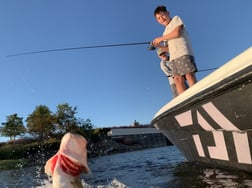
{"points": [[183, 65]]}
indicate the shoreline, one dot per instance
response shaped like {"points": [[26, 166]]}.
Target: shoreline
{"points": [[41, 154]]}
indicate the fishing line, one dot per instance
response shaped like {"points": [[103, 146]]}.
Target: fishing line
{"points": [[78, 48], [209, 69]]}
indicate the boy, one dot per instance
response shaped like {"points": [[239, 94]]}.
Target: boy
{"points": [[181, 54], [165, 66]]}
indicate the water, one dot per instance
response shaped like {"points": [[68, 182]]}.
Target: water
{"points": [[162, 167]]}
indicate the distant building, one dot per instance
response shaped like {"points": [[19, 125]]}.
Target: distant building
{"points": [[146, 136]]}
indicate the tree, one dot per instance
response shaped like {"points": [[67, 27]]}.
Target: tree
{"points": [[41, 122], [13, 127], [85, 127], [65, 118], [85, 124]]}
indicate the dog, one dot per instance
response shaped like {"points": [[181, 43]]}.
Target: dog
{"points": [[65, 167]]}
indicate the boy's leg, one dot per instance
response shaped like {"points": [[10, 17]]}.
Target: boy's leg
{"points": [[180, 83], [191, 79]]}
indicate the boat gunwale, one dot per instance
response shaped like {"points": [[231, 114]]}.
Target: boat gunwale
{"points": [[218, 89]]}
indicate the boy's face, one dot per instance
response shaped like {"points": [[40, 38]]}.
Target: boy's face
{"points": [[163, 56], [163, 18]]}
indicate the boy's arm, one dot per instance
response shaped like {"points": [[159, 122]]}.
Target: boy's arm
{"points": [[172, 35]]}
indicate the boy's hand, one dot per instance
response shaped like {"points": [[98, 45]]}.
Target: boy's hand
{"points": [[156, 42]]}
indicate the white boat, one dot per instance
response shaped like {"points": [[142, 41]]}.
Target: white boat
{"points": [[211, 122]]}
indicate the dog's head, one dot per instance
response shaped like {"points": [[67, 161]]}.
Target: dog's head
{"points": [[71, 157]]}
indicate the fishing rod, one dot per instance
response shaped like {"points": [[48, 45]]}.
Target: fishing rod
{"points": [[81, 47], [150, 47]]}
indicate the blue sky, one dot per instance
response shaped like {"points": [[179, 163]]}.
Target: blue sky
{"points": [[110, 86]]}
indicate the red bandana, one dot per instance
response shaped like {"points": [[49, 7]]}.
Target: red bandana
{"points": [[53, 162], [68, 166]]}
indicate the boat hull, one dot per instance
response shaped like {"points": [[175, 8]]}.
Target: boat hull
{"points": [[213, 126]]}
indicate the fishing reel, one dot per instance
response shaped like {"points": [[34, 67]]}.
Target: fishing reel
{"points": [[151, 47]]}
